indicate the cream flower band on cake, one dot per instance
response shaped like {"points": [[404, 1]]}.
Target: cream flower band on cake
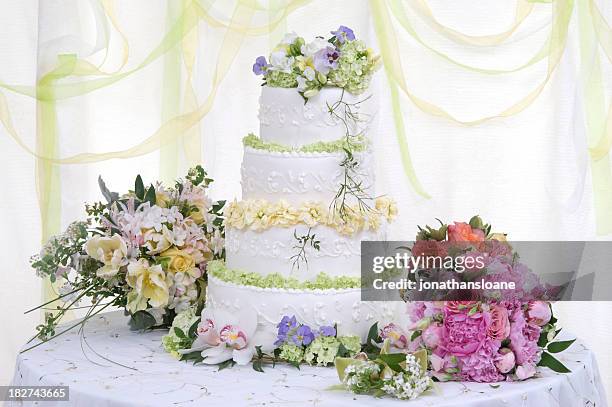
{"points": [[259, 214]]}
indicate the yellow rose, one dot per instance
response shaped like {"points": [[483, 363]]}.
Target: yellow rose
{"points": [[148, 282], [111, 251], [199, 215], [179, 261], [162, 199], [235, 215]]}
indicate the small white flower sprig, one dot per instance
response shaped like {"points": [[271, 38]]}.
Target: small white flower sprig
{"points": [[378, 372], [260, 214], [340, 61]]}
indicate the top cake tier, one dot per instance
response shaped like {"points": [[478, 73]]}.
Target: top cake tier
{"points": [[286, 119]]}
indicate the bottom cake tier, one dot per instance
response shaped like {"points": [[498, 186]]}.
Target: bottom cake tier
{"points": [[315, 307]]}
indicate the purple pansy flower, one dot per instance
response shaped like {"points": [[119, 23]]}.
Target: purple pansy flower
{"points": [[286, 324], [343, 33], [260, 65], [303, 336], [327, 331], [326, 59]]}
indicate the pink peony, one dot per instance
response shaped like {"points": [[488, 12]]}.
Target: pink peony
{"points": [[462, 232], [500, 324], [463, 334], [505, 360], [480, 366], [539, 312], [432, 335], [525, 371], [525, 349]]}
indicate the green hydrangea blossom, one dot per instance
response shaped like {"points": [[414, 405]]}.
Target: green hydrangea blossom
{"points": [[280, 79], [184, 320], [358, 144], [323, 349], [322, 281], [355, 67], [291, 353], [351, 343]]}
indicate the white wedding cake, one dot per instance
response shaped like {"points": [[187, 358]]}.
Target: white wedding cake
{"points": [[308, 198]]}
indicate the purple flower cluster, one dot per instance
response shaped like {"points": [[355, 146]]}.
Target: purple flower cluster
{"points": [[289, 331]]}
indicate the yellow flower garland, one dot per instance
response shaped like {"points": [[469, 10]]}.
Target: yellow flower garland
{"points": [[259, 214]]}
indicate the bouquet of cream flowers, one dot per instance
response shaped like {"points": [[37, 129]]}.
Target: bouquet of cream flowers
{"points": [[145, 251]]}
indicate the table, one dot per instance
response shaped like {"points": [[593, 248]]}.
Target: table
{"points": [[142, 374]]}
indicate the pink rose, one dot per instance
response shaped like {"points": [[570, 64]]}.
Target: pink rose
{"points": [[539, 312], [462, 232], [463, 334], [432, 335], [505, 360], [500, 324], [525, 371], [459, 306]]}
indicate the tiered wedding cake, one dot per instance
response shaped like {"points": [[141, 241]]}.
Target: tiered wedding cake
{"points": [[308, 199]]}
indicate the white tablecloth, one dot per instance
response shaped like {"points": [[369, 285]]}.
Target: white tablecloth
{"points": [[156, 379]]}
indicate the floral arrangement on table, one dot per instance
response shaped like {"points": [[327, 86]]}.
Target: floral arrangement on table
{"points": [[339, 61], [145, 251], [482, 341], [219, 338]]}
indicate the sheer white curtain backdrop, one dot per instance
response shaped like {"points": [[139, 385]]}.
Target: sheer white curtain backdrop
{"points": [[528, 174]]}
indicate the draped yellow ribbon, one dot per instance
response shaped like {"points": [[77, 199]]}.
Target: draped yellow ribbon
{"points": [[399, 13], [184, 24], [597, 127], [562, 11], [523, 9]]}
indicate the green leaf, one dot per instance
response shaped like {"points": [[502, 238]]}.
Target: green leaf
{"points": [[257, 366], [150, 196], [553, 363], [139, 188], [141, 320], [180, 333], [226, 364], [373, 334], [259, 352], [415, 335], [393, 360], [195, 356], [559, 346]]}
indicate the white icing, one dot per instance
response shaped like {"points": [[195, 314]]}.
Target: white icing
{"points": [[285, 118], [270, 251], [298, 177], [312, 307]]}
